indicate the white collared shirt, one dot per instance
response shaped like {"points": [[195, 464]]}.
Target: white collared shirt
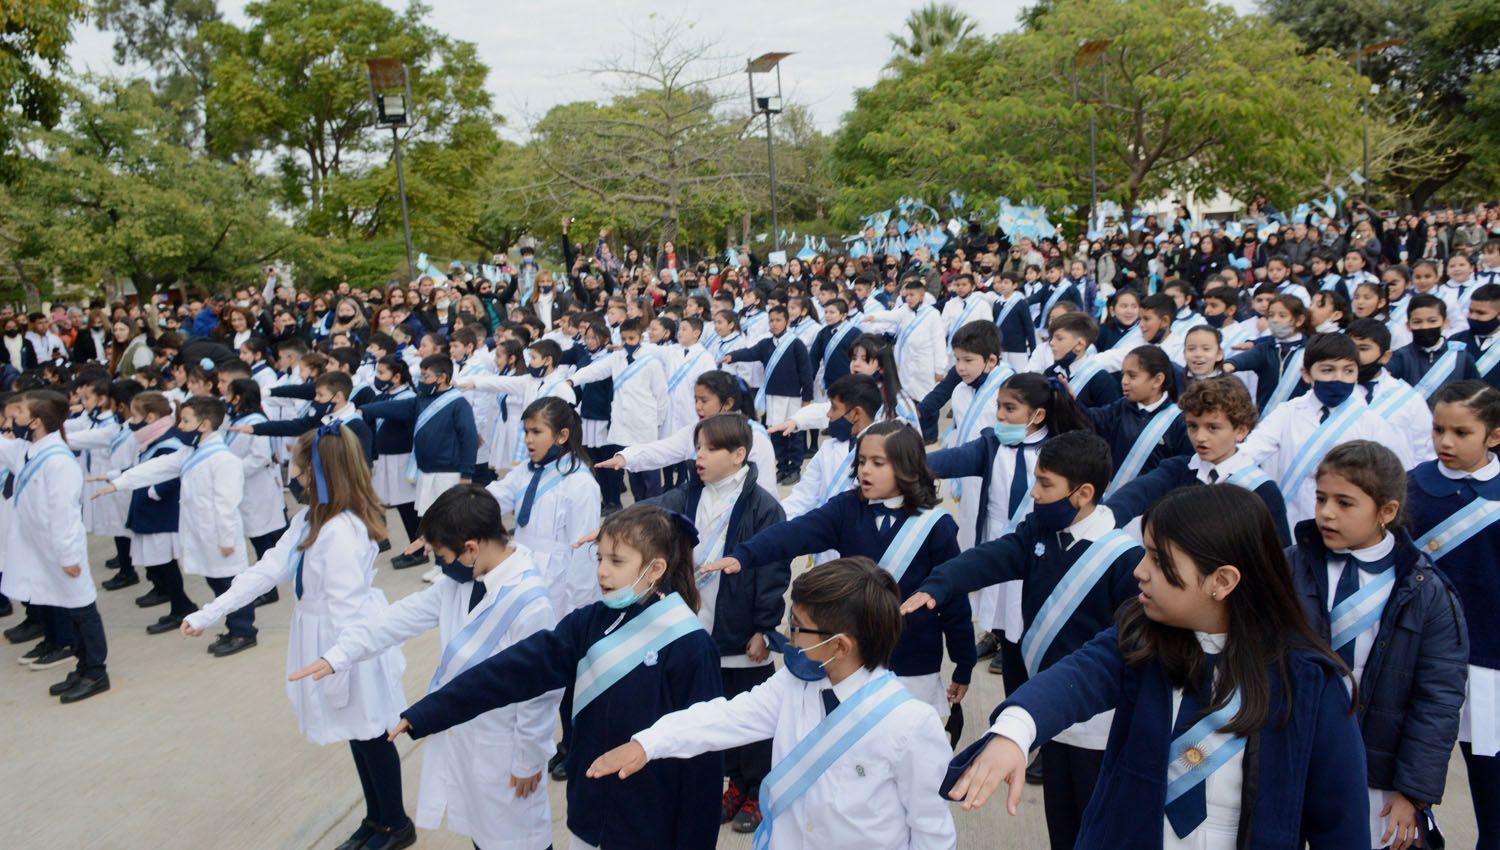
{"points": [[1002, 472], [1153, 406], [1338, 561], [1483, 473], [1226, 467], [717, 500]]}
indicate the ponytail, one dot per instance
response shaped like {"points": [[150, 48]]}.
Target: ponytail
{"points": [[1049, 395]]}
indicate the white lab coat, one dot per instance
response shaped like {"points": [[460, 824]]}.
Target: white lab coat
{"points": [[484, 405], [640, 404], [466, 770], [108, 447], [559, 518], [338, 571], [752, 372], [519, 392], [47, 532], [678, 446], [1413, 418], [982, 312], [923, 358], [209, 503], [263, 509], [686, 364]]}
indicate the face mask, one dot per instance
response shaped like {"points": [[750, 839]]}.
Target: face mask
{"points": [[457, 571], [22, 432], [799, 665], [12, 333], [1332, 393], [1010, 434], [1053, 517], [632, 349], [839, 429], [1216, 321], [1368, 372], [134, 426], [625, 597], [1484, 327], [1328, 326], [423, 388], [1427, 337], [1160, 335], [190, 438], [441, 305], [537, 371], [382, 386], [1281, 330]]}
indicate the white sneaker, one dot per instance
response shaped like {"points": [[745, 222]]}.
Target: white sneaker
{"points": [[432, 575]]}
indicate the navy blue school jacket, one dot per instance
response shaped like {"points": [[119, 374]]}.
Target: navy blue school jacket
{"points": [[1111, 332], [392, 436], [1266, 358], [847, 524], [1122, 420], [1410, 363], [1304, 780], [301, 425], [1039, 560], [1412, 686], [1133, 498], [974, 458], [671, 803], [156, 514], [1102, 388], [793, 376], [304, 391], [1017, 330], [838, 359], [1473, 568], [595, 399], [1043, 294], [750, 601], [931, 404], [1492, 377], [446, 444]]}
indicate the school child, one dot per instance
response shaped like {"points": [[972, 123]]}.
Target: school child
{"points": [[1323, 274], [893, 516], [632, 657], [1123, 308], [256, 354], [788, 386], [1483, 331], [714, 392], [594, 402], [486, 775], [1455, 288], [1212, 654], [1279, 275], [106, 443], [872, 782], [639, 404], [1053, 290], [967, 305], [688, 360], [854, 404], [1289, 442], [1075, 569], [1071, 338], [1488, 271], [153, 516], [1203, 355], [1144, 426], [1017, 330], [727, 506], [1221, 310], [1276, 360], [1397, 293], [1219, 415], [1452, 509], [1389, 397], [518, 384], [920, 349], [829, 352], [753, 316], [330, 403], [444, 437], [263, 509], [1358, 576], [1431, 361], [211, 485], [328, 554], [470, 361], [1155, 327], [1329, 313]]}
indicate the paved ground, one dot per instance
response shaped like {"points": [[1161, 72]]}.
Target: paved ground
{"points": [[188, 750]]}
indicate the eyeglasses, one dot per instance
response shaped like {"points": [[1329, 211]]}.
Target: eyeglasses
{"points": [[795, 630]]}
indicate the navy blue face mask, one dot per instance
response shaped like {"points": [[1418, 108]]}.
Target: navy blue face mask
{"points": [[1052, 517], [382, 385], [796, 660], [1216, 321], [1332, 393], [839, 429], [457, 571], [189, 438]]}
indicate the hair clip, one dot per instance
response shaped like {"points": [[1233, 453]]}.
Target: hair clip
{"points": [[207, 363], [688, 528], [321, 480]]}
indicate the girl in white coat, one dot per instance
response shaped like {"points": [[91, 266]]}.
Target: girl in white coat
{"points": [[518, 386], [111, 449], [488, 774], [47, 548], [263, 509], [328, 553]]}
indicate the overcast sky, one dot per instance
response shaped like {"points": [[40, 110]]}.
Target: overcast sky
{"points": [[537, 49]]}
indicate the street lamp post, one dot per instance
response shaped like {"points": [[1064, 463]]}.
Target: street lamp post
{"points": [[1089, 52], [768, 105], [390, 92]]}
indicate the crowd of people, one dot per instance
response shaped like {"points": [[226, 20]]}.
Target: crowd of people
{"points": [[1219, 502]]}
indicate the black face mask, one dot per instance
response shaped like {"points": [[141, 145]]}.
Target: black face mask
{"points": [[1484, 327], [1368, 372], [1427, 337], [839, 429]]}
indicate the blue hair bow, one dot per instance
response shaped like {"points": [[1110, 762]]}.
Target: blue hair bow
{"points": [[207, 363], [319, 478], [685, 525]]}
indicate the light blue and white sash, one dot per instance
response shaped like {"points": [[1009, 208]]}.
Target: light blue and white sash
{"points": [[1201, 750], [1133, 338], [908, 541], [1331, 282], [1057, 293], [1489, 359], [812, 757], [782, 347], [1085, 373], [614, 656], [447, 398], [1006, 307], [631, 370], [1456, 530], [711, 544], [1387, 403], [1328, 435], [840, 478], [1237, 333], [171, 444], [844, 330], [1144, 444], [1069, 594], [251, 419], [1440, 371], [1291, 375], [478, 638], [34, 465], [120, 438], [963, 316], [983, 400], [1250, 478], [681, 372], [1350, 618], [911, 327], [201, 454], [552, 476]]}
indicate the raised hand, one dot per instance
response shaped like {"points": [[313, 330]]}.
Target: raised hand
{"points": [[1000, 761]]}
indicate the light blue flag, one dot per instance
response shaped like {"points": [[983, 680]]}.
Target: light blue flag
{"points": [[1339, 190], [902, 226], [857, 250], [956, 200]]}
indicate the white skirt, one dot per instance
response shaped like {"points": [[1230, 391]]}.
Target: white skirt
{"points": [[153, 550], [929, 689], [430, 485], [503, 452], [1479, 720], [389, 478], [105, 516], [595, 433]]}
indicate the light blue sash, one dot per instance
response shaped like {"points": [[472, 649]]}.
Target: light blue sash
{"points": [[120, 438], [1201, 750], [1237, 333], [1350, 618], [34, 465], [171, 444], [1440, 371], [1133, 338], [552, 475], [1331, 282], [248, 419], [1489, 359], [963, 316], [1249, 478], [681, 372], [478, 638], [1069, 594], [1149, 437], [711, 545], [787, 338], [201, 454], [911, 327], [844, 330], [614, 656], [908, 541], [1327, 436], [811, 758], [447, 398], [1387, 403], [1080, 379], [1291, 375], [983, 400], [840, 478], [1006, 307], [1456, 530], [1057, 293], [631, 370]]}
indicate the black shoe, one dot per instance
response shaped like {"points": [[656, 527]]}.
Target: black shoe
{"points": [[34, 653], [121, 581], [997, 664], [65, 685], [789, 479], [392, 838], [25, 631], [268, 597], [113, 563], [168, 623], [54, 657], [230, 644], [6, 609], [384, 545], [218, 642], [557, 767], [152, 599], [85, 688], [357, 841], [402, 562], [1034, 772], [987, 645]]}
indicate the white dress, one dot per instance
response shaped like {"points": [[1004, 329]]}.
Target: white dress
{"points": [[212, 487], [338, 571], [108, 448], [389, 474], [263, 509], [559, 518], [46, 533]]}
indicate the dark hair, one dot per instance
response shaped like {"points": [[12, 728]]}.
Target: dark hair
{"points": [[978, 337], [1339, 303], [857, 598], [1226, 295], [1322, 347], [1372, 468], [1479, 397], [726, 431], [1423, 301], [382, 341], [880, 349], [1160, 305], [635, 325], [206, 408], [462, 513], [726, 388], [1226, 395], [656, 534], [861, 391], [557, 414], [438, 364], [257, 345], [1077, 323], [51, 407], [513, 349], [398, 367], [908, 458], [335, 383], [1373, 330], [1487, 292], [1154, 361], [464, 336], [1301, 316], [1216, 525], [1048, 394], [1080, 457], [122, 391], [248, 392]]}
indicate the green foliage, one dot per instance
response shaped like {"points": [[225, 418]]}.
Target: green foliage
{"points": [[34, 36], [930, 30]]}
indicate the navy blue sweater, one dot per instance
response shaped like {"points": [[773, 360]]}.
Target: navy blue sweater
{"points": [[837, 365], [1474, 566], [156, 514], [793, 376], [1134, 497], [1410, 363], [1066, 291], [301, 425], [304, 391], [1121, 421], [976, 458], [392, 436], [671, 803], [1412, 685], [595, 399], [1267, 358], [1492, 377], [1017, 330], [448, 443], [846, 523]]}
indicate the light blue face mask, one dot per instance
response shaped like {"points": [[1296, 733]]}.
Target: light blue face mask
{"points": [[624, 597], [1010, 434]]}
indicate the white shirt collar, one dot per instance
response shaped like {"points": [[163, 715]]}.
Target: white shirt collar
{"points": [[1093, 526], [1151, 408], [1370, 554], [729, 485], [894, 502], [52, 439], [510, 570], [1484, 473], [854, 681], [1035, 437], [1212, 643], [343, 414], [1227, 467]]}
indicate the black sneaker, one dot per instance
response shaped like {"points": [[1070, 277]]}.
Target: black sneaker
{"points": [[269, 597], [34, 653], [121, 581], [218, 642], [167, 623], [789, 479], [747, 818], [997, 664], [85, 688], [65, 685], [232, 644], [987, 645], [1034, 772], [152, 599], [54, 657], [25, 631]]}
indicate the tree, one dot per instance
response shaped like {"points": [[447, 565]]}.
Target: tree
{"points": [[931, 29], [169, 39], [34, 38]]}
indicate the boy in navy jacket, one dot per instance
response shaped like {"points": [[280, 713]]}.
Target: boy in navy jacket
{"points": [[830, 348], [788, 386], [331, 392], [444, 439], [1431, 362]]}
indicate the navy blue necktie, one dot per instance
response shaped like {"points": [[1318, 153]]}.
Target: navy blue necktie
{"points": [[10, 485], [523, 516], [1020, 479], [476, 594], [1188, 811], [830, 701], [1347, 586], [884, 518]]}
